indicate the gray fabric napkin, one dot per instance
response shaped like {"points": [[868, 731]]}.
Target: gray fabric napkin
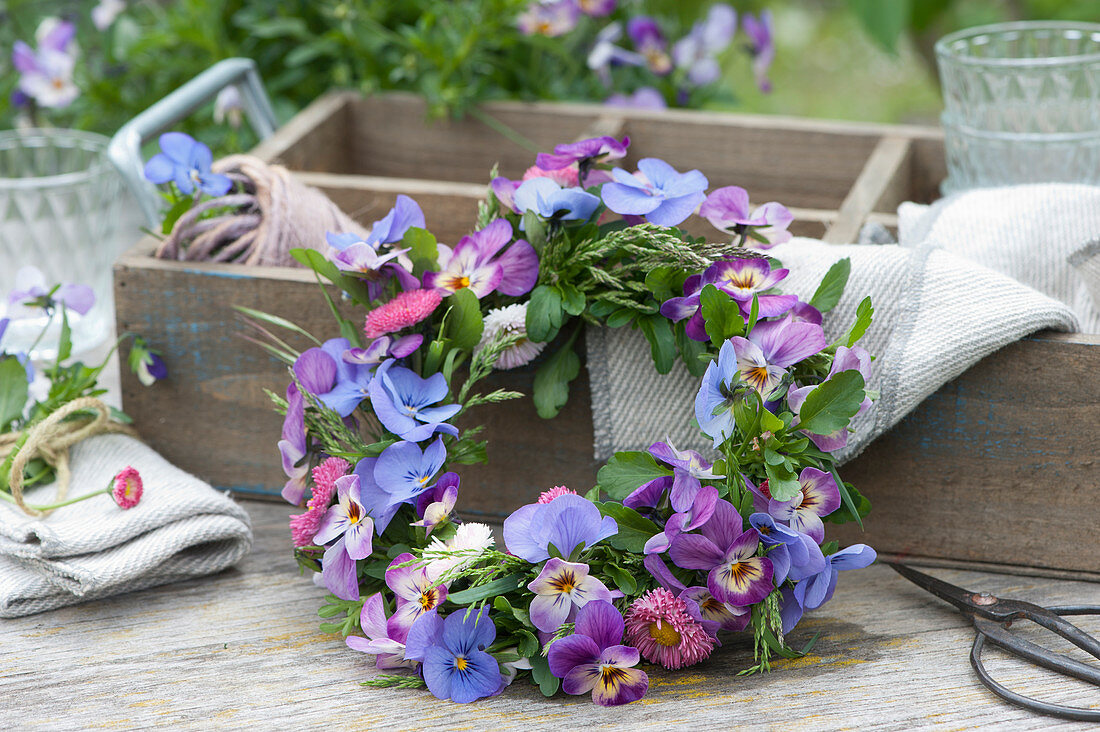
{"points": [[181, 528], [937, 312]]}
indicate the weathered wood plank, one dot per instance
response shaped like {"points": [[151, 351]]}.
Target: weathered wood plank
{"points": [[989, 468], [879, 179], [242, 650]]}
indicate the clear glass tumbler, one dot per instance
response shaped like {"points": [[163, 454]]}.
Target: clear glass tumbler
{"points": [[61, 202], [1031, 77], [1022, 104]]}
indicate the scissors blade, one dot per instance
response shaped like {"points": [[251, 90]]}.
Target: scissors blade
{"points": [[957, 596]]}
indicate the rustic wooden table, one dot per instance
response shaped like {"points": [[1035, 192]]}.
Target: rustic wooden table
{"points": [[242, 650]]}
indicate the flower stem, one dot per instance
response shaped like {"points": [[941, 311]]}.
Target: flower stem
{"points": [[7, 497]]}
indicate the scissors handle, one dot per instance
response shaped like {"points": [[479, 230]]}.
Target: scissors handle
{"points": [[999, 635]]}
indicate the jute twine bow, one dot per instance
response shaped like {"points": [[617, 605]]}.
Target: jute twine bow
{"points": [[271, 213], [50, 440]]}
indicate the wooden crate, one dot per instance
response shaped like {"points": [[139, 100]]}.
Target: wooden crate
{"points": [[213, 418]]}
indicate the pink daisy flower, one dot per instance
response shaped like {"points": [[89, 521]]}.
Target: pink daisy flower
{"points": [[558, 490], [665, 630], [303, 526], [127, 487], [568, 177], [405, 310]]}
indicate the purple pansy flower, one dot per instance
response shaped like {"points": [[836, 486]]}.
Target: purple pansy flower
{"points": [[717, 396], [505, 191], [382, 348], [554, 203], [645, 97], [46, 74], [30, 292], [727, 209], [650, 42], [415, 593], [697, 513], [688, 468], [664, 196], [404, 471], [585, 154], [592, 659], [566, 523], [403, 401], [478, 263], [551, 19], [316, 371], [794, 555], [389, 652], [606, 53], [735, 574], [378, 502], [816, 590], [854, 359], [455, 663], [596, 8], [348, 523], [186, 162], [771, 347], [560, 589], [817, 498], [434, 506], [697, 51], [760, 33], [715, 613]]}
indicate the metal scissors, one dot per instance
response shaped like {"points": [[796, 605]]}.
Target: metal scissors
{"points": [[993, 616]]}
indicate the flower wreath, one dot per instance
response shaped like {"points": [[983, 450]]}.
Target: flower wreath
{"points": [[669, 550]]}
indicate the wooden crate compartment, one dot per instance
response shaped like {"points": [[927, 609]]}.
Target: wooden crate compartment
{"points": [[1021, 474]]}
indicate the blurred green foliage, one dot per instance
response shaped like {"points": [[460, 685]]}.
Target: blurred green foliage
{"points": [[854, 59]]}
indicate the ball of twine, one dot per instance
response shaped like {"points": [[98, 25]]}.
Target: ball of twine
{"points": [[50, 440], [269, 214]]}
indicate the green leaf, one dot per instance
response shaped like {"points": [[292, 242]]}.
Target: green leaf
{"points": [[534, 230], [490, 589], [623, 579], [665, 282], [769, 421], [316, 261], [464, 323], [544, 314], [831, 406], [662, 344], [540, 672], [884, 20], [550, 390], [864, 313], [593, 494], [13, 390], [634, 529], [179, 208], [572, 300], [722, 315], [854, 505], [434, 359], [690, 351], [626, 471], [619, 318], [424, 250], [65, 341], [528, 644], [782, 482], [832, 286]]}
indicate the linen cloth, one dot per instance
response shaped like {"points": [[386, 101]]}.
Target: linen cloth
{"points": [[181, 528], [940, 307]]}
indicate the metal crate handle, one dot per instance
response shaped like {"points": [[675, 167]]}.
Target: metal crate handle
{"points": [[124, 149]]}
